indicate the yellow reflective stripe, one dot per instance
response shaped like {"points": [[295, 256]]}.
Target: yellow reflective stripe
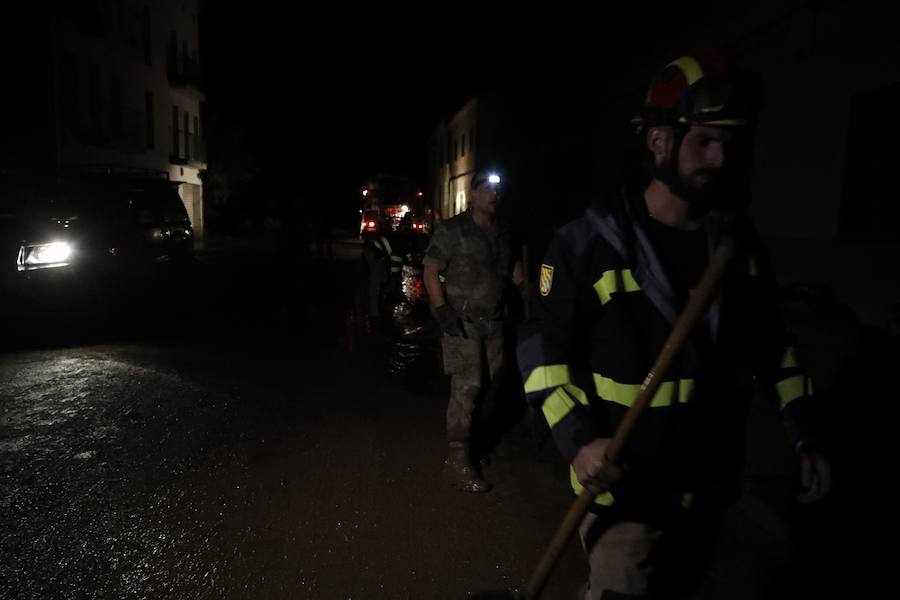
{"points": [[547, 377], [791, 388], [669, 392], [692, 70], [725, 122], [789, 358], [557, 406], [608, 284], [577, 393], [604, 499], [561, 402]]}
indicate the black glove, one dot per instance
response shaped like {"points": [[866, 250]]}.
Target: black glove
{"points": [[449, 320]]}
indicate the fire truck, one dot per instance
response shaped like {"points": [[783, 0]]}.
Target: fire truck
{"points": [[386, 199]]}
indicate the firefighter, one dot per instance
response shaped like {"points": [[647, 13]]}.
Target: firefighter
{"points": [[610, 288], [383, 254]]}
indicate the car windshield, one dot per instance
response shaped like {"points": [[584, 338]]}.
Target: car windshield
{"points": [[146, 203], [61, 203], [154, 204]]}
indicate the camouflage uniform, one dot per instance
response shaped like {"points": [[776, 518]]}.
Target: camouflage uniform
{"points": [[476, 264]]}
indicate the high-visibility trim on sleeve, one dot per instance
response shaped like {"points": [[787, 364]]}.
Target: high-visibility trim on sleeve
{"points": [[546, 377], [668, 393], [791, 388], [794, 383], [561, 402], [609, 284]]}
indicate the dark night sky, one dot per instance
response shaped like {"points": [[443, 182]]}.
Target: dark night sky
{"points": [[340, 100], [352, 97]]}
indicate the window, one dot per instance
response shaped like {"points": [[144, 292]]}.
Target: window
{"points": [[71, 108], [149, 121], [203, 121], [96, 107], [148, 37], [197, 138], [115, 103], [118, 23], [172, 52], [187, 135], [463, 145], [130, 23], [175, 145]]}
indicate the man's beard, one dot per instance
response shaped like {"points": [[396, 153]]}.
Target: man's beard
{"points": [[702, 197]]}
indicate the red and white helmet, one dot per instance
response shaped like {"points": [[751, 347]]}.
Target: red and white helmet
{"points": [[697, 88]]}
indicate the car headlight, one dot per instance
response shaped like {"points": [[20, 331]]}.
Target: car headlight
{"points": [[41, 256]]}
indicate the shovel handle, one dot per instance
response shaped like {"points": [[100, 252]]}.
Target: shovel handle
{"points": [[699, 301]]}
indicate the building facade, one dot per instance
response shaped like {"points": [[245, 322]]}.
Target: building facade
{"points": [[109, 86]]}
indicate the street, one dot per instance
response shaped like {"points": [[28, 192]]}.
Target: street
{"points": [[236, 262], [249, 443], [269, 459]]}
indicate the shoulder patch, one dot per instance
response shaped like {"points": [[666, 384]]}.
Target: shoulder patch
{"points": [[546, 279]]}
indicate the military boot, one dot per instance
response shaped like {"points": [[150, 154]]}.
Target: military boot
{"points": [[461, 472]]}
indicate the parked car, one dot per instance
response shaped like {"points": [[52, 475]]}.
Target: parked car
{"points": [[72, 235]]}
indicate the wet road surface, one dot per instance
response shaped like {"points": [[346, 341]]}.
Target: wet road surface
{"points": [[269, 454]]}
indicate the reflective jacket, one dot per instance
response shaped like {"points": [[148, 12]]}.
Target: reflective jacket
{"points": [[390, 253], [600, 315]]}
